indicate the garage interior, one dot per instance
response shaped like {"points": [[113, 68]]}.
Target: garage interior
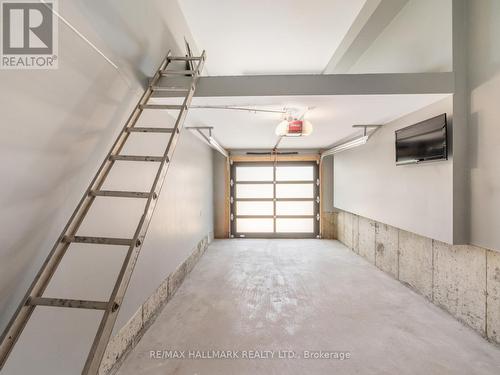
{"points": [[233, 187]]}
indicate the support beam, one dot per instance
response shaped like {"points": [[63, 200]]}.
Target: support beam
{"points": [[459, 127], [320, 84], [368, 25]]}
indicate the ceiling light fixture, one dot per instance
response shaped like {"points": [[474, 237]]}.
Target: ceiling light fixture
{"points": [[346, 146], [217, 146], [209, 139], [354, 142]]}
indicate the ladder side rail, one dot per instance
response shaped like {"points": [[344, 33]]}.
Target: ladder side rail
{"points": [[109, 318], [22, 314]]}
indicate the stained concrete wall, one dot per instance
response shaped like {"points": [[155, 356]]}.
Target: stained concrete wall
{"points": [[462, 279], [460, 282], [386, 249], [60, 125], [415, 262], [365, 233]]}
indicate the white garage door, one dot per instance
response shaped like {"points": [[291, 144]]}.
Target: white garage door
{"points": [[275, 200]]}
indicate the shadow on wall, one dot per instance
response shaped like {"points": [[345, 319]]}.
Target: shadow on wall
{"points": [[483, 18], [484, 61], [121, 26], [76, 149], [61, 124], [484, 53], [473, 139]]}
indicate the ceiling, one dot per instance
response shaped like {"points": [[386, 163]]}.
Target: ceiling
{"points": [[269, 37], [332, 117], [257, 37]]}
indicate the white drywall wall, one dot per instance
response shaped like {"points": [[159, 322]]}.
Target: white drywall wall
{"points": [[416, 198], [184, 215], [417, 40], [57, 127], [484, 121]]}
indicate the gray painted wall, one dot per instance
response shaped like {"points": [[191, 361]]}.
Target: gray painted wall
{"points": [[484, 126], [416, 198], [417, 40], [58, 126]]}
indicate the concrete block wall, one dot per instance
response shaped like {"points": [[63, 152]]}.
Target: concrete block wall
{"points": [[415, 262], [464, 280], [365, 239], [386, 249]]}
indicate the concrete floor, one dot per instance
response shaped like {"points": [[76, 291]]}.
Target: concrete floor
{"points": [[304, 295]]}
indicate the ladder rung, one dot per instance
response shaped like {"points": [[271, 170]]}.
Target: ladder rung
{"points": [[169, 89], [98, 240], [176, 72], [149, 130], [121, 194], [186, 58], [161, 106], [136, 158], [62, 302]]}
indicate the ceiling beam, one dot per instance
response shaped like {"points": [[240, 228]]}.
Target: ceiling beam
{"points": [[368, 25], [316, 84]]}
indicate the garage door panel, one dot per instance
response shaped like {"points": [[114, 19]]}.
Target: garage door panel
{"points": [[244, 225], [295, 208], [295, 173], [301, 225], [271, 200], [254, 208], [254, 191], [254, 173], [295, 190]]}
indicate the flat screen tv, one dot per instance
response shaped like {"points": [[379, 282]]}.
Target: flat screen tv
{"points": [[424, 141]]}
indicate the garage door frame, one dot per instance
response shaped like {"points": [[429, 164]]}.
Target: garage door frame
{"points": [[315, 199]]}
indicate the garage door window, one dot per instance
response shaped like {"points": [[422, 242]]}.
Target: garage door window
{"points": [[275, 201]]}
